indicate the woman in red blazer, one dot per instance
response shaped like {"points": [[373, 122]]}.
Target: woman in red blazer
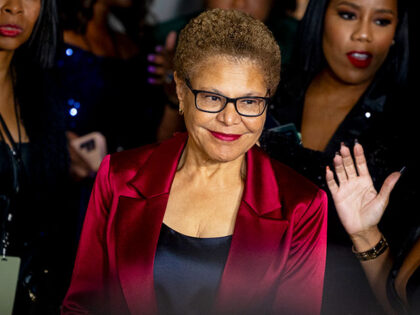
{"points": [[205, 222]]}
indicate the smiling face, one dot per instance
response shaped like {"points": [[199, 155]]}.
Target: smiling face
{"points": [[357, 37], [17, 20], [258, 9], [223, 136]]}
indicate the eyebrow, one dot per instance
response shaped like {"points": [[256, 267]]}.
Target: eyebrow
{"points": [[218, 92], [351, 4]]}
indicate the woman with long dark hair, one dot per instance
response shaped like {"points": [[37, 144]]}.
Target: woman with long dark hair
{"points": [[345, 84], [33, 154]]}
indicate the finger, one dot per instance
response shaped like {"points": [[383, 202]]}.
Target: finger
{"points": [[332, 184], [71, 135], [339, 169], [76, 158], [157, 59], [388, 186], [159, 48], [348, 162], [359, 156], [155, 81], [157, 70], [171, 41]]}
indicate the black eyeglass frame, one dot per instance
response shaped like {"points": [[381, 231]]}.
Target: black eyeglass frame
{"points": [[228, 100]]}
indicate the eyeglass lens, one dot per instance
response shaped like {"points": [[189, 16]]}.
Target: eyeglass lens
{"points": [[245, 106]]}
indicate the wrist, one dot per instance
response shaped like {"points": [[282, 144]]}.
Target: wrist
{"points": [[365, 240]]}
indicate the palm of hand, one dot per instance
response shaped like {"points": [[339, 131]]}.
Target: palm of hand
{"points": [[358, 205]]}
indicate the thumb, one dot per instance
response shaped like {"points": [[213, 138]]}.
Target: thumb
{"points": [[388, 186], [171, 41], [71, 135]]}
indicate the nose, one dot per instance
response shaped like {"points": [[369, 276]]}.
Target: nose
{"points": [[363, 31], [229, 116], [12, 7]]}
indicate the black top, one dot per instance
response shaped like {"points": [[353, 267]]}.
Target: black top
{"points": [[37, 233], [187, 271], [30, 230], [373, 122], [22, 230]]}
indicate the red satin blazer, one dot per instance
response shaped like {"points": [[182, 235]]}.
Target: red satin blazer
{"points": [[277, 256]]}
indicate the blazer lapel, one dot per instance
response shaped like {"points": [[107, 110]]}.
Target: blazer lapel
{"points": [[255, 256], [253, 261], [138, 222]]}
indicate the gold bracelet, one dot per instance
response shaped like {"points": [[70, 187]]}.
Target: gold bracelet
{"points": [[372, 253]]}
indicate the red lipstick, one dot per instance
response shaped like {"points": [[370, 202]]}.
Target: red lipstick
{"points": [[224, 136], [9, 30], [360, 59]]}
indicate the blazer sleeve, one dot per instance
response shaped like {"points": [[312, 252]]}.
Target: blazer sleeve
{"points": [[86, 294], [300, 290]]}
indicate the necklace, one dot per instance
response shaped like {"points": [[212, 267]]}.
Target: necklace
{"points": [[15, 148]]}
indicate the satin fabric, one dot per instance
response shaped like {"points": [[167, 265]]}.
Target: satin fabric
{"points": [[277, 256], [191, 263]]}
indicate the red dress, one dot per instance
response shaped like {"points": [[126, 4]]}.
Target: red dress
{"points": [[277, 256]]}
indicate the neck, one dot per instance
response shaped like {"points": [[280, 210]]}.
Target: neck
{"points": [[330, 84], [196, 164], [5, 62], [6, 84]]}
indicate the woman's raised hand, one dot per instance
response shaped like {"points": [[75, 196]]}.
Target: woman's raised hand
{"points": [[161, 66], [359, 206]]}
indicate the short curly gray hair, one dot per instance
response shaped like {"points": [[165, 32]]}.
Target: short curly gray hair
{"points": [[228, 33]]}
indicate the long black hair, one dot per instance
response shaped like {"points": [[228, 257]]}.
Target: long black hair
{"points": [[41, 47], [41, 115], [309, 57]]}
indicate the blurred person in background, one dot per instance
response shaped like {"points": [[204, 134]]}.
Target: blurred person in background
{"points": [[346, 83], [33, 160], [102, 79], [102, 73]]}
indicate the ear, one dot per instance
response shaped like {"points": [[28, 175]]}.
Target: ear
{"points": [[180, 90]]}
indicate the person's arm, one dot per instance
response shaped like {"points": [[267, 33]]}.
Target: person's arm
{"points": [[87, 292], [360, 208], [376, 270], [301, 285]]}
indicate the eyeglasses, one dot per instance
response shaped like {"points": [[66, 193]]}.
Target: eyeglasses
{"points": [[209, 102]]}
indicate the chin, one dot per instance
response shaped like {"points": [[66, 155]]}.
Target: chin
{"points": [[220, 154], [9, 46], [225, 155]]}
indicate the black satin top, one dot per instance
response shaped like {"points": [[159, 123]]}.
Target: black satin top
{"points": [[187, 271]]}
